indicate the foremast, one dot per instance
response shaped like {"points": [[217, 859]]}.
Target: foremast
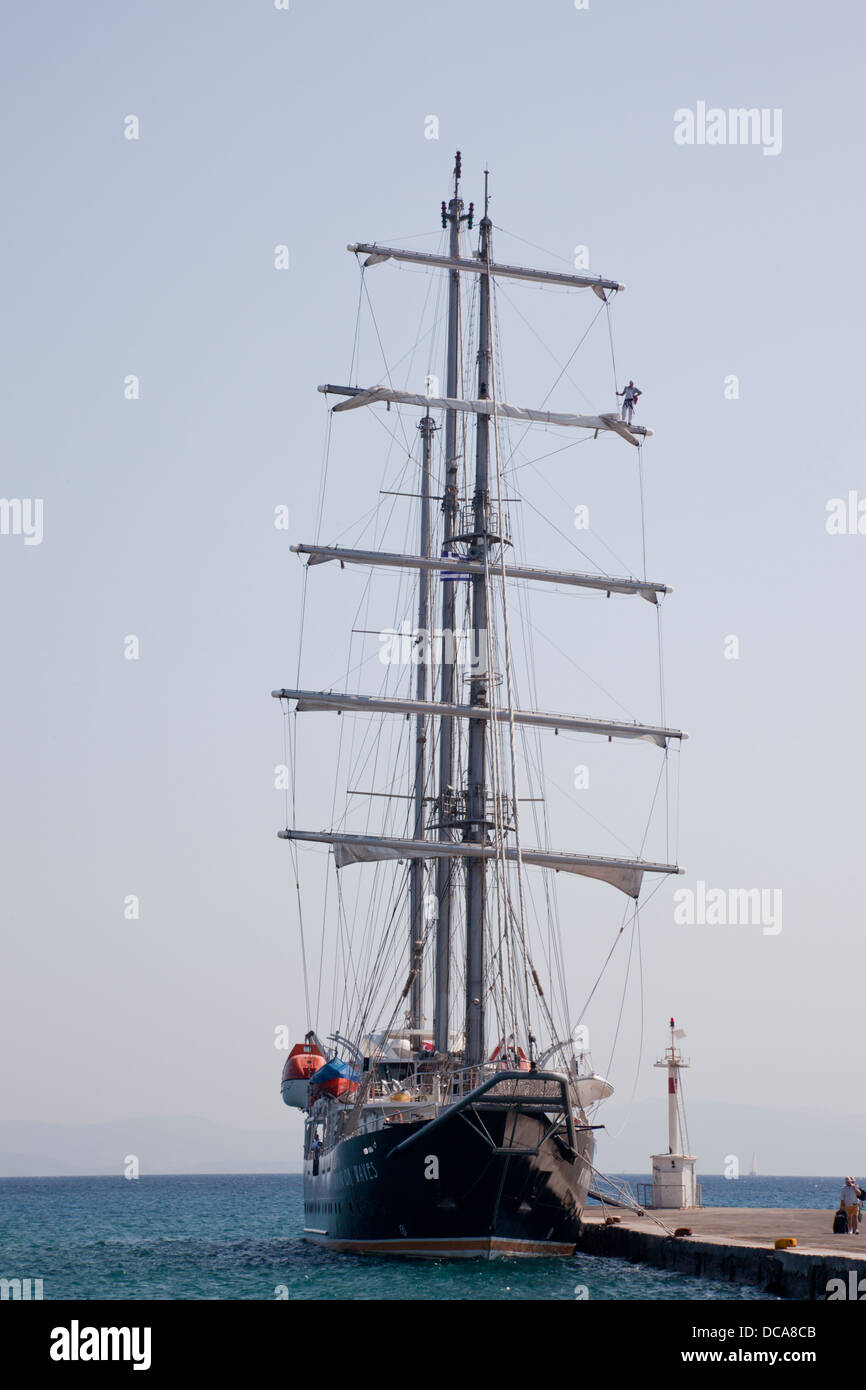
{"points": [[476, 809]]}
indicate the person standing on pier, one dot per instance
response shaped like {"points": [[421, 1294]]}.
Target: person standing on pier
{"points": [[851, 1203]]}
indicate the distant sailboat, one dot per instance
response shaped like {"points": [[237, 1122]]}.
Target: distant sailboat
{"points": [[754, 1172]]}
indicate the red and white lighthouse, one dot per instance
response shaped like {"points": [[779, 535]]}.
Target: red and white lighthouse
{"points": [[674, 1181]]}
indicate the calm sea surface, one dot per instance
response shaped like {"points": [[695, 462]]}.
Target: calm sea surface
{"points": [[241, 1237]]}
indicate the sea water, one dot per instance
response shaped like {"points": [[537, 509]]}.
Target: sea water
{"points": [[231, 1236]]}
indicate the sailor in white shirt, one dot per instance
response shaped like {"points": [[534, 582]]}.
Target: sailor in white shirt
{"points": [[630, 395], [851, 1203]]}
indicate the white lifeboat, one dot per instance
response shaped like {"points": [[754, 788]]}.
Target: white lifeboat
{"points": [[591, 1089]]}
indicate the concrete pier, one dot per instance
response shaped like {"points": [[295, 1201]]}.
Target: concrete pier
{"points": [[736, 1244]]}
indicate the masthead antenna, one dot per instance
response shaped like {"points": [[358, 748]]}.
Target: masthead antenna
{"points": [[454, 209]]}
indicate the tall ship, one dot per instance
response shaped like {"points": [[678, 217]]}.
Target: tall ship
{"points": [[448, 1097]]}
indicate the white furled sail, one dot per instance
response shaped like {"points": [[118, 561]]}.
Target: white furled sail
{"points": [[313, 700], [624, 874], [378, 254], [320, 554], [373, 395]]}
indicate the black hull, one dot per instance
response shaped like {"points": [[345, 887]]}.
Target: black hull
{"points": [[453, 1194]]}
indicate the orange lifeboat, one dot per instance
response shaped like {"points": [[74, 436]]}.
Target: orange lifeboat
{"points": [[336, 1079], [510, 1058], [302, 1062]]}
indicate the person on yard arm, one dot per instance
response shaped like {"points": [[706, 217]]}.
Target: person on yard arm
{"points": [[630, 395]]}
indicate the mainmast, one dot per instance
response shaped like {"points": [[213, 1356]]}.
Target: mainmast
{"points": [[476, 810], [453, 217]]}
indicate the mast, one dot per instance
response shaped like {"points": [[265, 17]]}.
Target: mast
{"points": [[454, 216], [464, 558], [418, 867], [476, 812]]}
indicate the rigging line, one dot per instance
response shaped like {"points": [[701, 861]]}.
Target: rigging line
{"points": [[511, 723], [554, 254], [376, 979], [603, 573], [642, 1038], [574, 353], [337, 942], [432, 232], [357, 333], [572, 444], [324, 478], [364, 604], [573, 799], [616, 942], [677, 799], [363, 521], [398, 1005], [652, 808], [372, 737], [374, 962], [548, 350], [662, 707], [610, 338], [564, 499], [601, 972], [626, 1195], [434, 288], [623, 995], [624, 923], [428, 333], [378, 958], [591, 679], [339, 763], [534, 743], [642, 505], [647, 900], [382, 350], [290, 759], [532, 750], [504, 915], [352, 934]]}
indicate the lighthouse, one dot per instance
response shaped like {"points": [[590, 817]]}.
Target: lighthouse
{"points": [[674, 1184]]}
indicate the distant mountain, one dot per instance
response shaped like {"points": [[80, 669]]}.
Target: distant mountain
{"points": [[161, 1144], [787, 1142]]}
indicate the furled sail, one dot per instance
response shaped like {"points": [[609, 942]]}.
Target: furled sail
{"points": [[320, 554], [312, 700], [624, 874], [375, 394], [377, 254]]}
